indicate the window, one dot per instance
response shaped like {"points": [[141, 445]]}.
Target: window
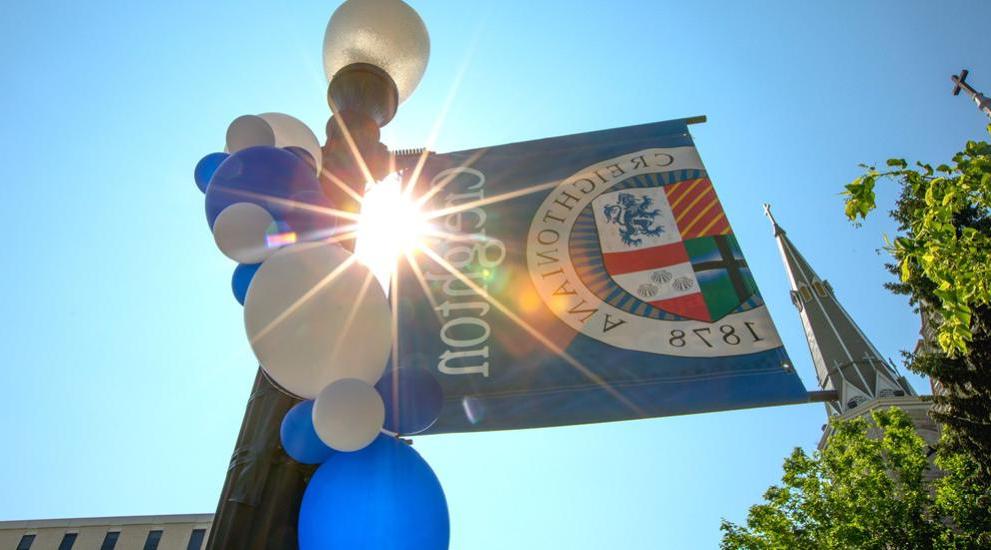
{"points": [[806, 293], [151, 543], [110, 541], [25, 543], [196, 539], [820, 288], [67, 541], [796, 300], [855, 400]]}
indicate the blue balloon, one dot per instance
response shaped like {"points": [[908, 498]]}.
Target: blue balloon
{"points": [[413, 399], [383, 496], [266, 176], [241, 279], [309, 218], [303, 154], [206, 167], [299, 438]]}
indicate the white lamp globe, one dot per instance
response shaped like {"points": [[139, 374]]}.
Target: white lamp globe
{"points": [[386, 33]]}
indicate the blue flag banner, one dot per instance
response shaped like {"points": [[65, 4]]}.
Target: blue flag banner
{"points": [[584, 278]]}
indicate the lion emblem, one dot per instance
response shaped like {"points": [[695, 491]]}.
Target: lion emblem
{"points": [[634, 217]]}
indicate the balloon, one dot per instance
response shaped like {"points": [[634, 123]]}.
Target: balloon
{"points": [[265, 176], [314, 315], [206, 167], [299, 439], [304, 155], [383, 496], [348, 414], [249, 131], [290, 131], [241, 279], [308, 216], [241, 232], [413, 399]]}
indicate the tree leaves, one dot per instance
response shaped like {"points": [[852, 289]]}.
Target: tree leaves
{"points": [[867, 489], [937, 245], [943, 259], [860, 196]]}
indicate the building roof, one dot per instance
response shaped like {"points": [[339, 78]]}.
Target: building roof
{"points": [[106, 521]]}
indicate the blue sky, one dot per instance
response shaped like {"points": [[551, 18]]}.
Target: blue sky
{"points": [[126, 367]]}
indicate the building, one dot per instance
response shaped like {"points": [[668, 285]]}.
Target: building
{"points": [[857, 378], [175, 532]]}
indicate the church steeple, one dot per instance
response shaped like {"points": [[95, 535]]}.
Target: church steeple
{"points": [[845, 360]]}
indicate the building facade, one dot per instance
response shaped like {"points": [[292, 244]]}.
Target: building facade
{"points": [[175, 532]]}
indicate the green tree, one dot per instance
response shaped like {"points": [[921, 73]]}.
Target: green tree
{"points": [[963, 497], [945, 252], [867, 489], [943, 261]]}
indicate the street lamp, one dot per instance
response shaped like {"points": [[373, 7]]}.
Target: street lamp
{"points": [[386, 34], [375, 52]]}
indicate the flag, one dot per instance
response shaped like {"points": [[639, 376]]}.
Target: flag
{"points": [[584, 278]]}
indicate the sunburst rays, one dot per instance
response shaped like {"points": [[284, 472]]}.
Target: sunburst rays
{"points": [[536, 188], [301, 301], [442, 115], [533, 332], [410, 254], [419, 199], [322, 211], [368, 281]]}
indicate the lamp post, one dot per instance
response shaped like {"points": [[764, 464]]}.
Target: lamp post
{"points": [[375, 52]]}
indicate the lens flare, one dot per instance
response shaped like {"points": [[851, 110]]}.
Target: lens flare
{"points": [[280, 239]]}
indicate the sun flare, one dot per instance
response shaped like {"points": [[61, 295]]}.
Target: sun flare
{"points": [[391, 225]]}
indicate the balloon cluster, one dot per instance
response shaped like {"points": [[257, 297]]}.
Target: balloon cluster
{"points": [[320, 326]]}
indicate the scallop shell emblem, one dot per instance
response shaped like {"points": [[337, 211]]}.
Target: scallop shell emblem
{"points": [[661, 277], [647, 290], [681, 284]]}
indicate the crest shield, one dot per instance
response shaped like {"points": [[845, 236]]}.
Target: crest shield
{"points": [[670, 246]]}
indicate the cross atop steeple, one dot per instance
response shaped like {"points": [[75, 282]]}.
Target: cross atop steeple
{"points": [[960, 83], [845, 360], [774, 223]]}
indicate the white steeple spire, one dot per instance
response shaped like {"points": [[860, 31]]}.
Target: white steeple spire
{"points": [[845, 360]]}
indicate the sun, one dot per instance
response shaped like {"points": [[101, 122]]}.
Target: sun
{"points": [[391, 225]]}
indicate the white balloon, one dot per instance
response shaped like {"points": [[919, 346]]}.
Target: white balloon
{"points": [[314, 315], [348, 414], [241, 231], [290, 131], [249, 131]]}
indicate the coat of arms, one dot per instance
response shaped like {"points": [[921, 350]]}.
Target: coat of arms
{"points": [[670, 247]]}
